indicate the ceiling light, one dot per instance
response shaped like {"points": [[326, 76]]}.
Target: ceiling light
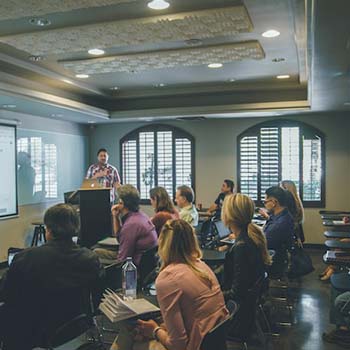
{"points": [[283, 76], [40, 22], [231, 80], [215, 65], [159, 85], [54, 115], [91, 122], [68, 81], [158, 5], [82, 76], [9, 106], [114, 88], [271, 33], [96, 52]]}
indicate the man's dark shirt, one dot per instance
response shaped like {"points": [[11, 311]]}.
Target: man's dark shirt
{"points": [[45, 287], [219, 201], [279, 230]]}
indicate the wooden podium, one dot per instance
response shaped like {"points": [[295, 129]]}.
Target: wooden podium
{"points": [[95, 214]]}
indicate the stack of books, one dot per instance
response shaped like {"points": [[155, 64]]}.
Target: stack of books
{"points": [[116, 309]]}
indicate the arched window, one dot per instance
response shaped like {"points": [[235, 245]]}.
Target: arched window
{"points": [[282, 150], [157, 155]]}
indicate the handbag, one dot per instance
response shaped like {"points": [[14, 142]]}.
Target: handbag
{"points": [[301, 263]]}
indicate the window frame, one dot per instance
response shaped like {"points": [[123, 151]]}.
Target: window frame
{"points": [[176, 134], [304, 128]]}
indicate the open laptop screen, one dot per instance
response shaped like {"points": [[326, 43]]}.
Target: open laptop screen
{"points": [[221, 229]]}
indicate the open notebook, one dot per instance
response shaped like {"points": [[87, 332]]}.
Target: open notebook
{"points": [[117, 309]]}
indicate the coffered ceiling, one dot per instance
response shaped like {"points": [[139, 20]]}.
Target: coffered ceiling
{"points": [[156, 64]]}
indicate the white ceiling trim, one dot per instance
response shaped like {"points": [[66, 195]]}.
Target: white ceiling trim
{"points": [[222, 22], [169, 59], [15, 9]]}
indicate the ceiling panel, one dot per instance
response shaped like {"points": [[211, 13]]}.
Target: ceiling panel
{"points": [[14, 9], [203, 24]]}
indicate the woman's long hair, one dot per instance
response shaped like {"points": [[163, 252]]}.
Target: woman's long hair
{"points": [[238, 210], [162, 199], [178, 245], [290, 187]]}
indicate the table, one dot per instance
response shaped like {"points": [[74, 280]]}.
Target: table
{"points": [[335, 244], [337, 234], [336, 223], [212, 257]]}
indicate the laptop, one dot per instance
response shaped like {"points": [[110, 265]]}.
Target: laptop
{"points": [[91, 183], [223, 233], [11, 254]]}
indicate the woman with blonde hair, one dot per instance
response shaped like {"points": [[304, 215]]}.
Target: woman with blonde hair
{"points": [[163, 207], [188, 292], [295, 207], [246, 262]]}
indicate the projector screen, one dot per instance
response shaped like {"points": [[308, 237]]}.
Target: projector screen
{"points": [[8, 173]]}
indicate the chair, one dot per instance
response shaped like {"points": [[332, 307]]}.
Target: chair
{"points": [[72, 329], [114, 275], [147, 269], [216, 337]]}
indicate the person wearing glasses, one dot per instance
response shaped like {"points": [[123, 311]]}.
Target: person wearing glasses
{"points": [[279, 228]]}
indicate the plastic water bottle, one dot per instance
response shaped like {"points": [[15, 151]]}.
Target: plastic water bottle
{"points": [[129, 280]]}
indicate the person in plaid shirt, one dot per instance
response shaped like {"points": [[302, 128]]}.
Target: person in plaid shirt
{"points": [[104, 172]]}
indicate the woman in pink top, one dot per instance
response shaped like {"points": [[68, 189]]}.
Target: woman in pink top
{"points": [[188, 292], [163, 207]]}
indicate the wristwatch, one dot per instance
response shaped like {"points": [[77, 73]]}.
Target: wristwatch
{"points": [[154, 333]]}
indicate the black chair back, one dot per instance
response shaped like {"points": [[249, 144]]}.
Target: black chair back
{"points": [[147, 267], [114, 275], [216, 337]]}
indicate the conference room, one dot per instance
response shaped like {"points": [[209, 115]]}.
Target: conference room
{"points": [[199, 147]]}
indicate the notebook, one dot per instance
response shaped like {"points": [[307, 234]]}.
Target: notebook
{"points": [[116, 309], [109, 241]]}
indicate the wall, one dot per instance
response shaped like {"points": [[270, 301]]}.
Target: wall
{"points": [[216, 156], [16, 232]]}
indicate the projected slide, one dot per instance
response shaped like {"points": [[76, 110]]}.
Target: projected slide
{"points": [[8, 192]]}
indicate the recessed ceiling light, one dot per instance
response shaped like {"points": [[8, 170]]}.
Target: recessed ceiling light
{"points": [[9, 106], [114, 88], [278, 59], [56, 115], [67, 81], [158, 5], [40, 22], [231, 80], [283, 76], [159, 85], [96, 52], [215, 65], [271, 33], [82, 76], [91, 122], [148, 120]]}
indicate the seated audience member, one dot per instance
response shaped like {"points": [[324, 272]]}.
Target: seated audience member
{"points": [[133, 229], [184, 199], [163, 207], [245, 262], [296, 209], [188, 293], [46, 286], [226, 188], [340, 316], [279, 228]]}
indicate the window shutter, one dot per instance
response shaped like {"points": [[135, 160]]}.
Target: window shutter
{"points": [[183, 162], [269, 159], [50, 170], [165, 160], [147, 168], [249, 166], [129, 162], [36, 154], [312, 169]]}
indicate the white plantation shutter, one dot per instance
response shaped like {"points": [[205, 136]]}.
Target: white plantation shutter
{"points": [[50, 170], [159, 156], [278, 151], [249, 166]]}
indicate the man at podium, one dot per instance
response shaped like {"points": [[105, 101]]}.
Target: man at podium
{"points": [[105, 173]]}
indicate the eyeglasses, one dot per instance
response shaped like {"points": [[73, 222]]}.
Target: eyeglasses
{"points": [[267, 200]]}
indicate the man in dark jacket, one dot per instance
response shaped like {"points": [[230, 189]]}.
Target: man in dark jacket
{"points": [[279, 228], [49, 285]]}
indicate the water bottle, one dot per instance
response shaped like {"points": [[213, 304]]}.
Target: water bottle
{"points": [[129, 280]]}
